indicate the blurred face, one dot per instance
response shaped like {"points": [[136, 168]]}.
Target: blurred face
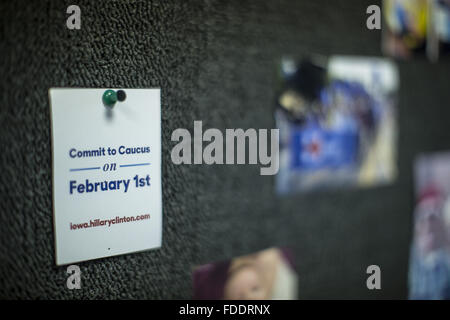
{"points": [[430, 229], [251, 277], [246, 284]]}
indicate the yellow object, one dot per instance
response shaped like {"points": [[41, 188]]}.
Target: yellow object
{"points": [[413, 28]]}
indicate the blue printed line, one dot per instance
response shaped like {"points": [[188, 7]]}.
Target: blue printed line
{"points": [[82, 169], [134, 165]]}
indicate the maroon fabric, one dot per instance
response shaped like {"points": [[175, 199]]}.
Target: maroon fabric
{"points": [[209, 281]]}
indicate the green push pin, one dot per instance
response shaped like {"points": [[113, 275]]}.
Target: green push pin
{"points": [[109, 98]]}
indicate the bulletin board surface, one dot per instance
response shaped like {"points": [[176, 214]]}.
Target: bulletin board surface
{"points": [[214, 61]]}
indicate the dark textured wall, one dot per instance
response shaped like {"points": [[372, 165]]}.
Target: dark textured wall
{"points": [[214, 61]]}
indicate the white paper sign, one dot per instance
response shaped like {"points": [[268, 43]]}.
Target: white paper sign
{"points": [[106, 173]]}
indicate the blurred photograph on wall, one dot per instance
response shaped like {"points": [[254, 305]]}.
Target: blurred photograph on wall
{"points": [[405, 27], [439, 29], [266, 275], [416, 27], [429, 273], [337, 122]]}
